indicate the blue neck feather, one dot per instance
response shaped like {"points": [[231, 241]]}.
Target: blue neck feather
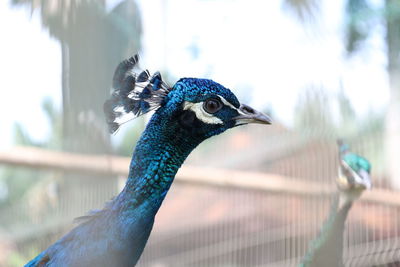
{"points": [[158, 155]]}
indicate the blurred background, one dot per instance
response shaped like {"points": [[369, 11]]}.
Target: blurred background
{"points": [[323, 69]]}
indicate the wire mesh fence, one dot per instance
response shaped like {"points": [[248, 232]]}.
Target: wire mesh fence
{"points": [[215, 223]]}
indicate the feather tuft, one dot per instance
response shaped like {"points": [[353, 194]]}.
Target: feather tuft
{"points": [[133, 94], [127, 86], [143, 76], [156, 80], [122, 69]]}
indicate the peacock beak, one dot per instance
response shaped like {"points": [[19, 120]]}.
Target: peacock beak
{"points": [[249, 115]]}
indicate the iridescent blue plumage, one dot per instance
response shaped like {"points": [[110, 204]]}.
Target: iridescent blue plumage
{"points": [[186, 114], [356, 162]]}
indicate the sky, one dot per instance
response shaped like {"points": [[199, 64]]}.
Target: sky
{"points": [[262, 48], [30, 68], [259, 51]]}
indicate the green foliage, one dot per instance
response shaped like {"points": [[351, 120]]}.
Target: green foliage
{"points": [[320, 116], [313, 113], [54, 116], [21, 136], [333, 116], [360, 20], [304, 10], [16, 259], [19, 180], [347, 121], [130, 137]]}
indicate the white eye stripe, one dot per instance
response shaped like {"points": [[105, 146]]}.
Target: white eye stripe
{"points": [[204, 116], [226, 103], [201, 114]]}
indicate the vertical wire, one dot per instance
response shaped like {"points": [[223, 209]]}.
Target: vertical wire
{"points": [[381, 236], [396, 244], [367, 232], [374, 231], [289, 230]]}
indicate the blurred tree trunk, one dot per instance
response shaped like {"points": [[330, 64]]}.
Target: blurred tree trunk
{"points": [[393, 114], [93, 41]]}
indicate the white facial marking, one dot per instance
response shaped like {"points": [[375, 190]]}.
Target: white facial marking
{"points": [[204, 116], [201, 114], [226, 103]]}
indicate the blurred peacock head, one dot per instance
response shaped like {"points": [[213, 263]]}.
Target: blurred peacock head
{"points": [[199, 108], [354, 171]]}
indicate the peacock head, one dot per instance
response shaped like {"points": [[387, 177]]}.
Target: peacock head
{"points": [[354, 173], [200, 108], [206, 108]]}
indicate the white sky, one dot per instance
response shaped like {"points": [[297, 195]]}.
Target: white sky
{"points": [[30, 67], [255, 46], [259, 46]]}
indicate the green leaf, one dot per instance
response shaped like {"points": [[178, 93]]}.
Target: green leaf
{"points": [[359, 16], [304, 10]]}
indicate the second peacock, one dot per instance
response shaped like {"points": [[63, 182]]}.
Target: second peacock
{"points": [[354, 177]]}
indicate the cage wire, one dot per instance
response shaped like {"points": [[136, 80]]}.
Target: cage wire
{"points": [[207, 225]]}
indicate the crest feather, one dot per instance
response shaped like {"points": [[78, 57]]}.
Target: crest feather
{"points": [[134, 93]]}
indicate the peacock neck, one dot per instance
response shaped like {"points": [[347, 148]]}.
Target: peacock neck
{"points": [[158, 155], [327, 248]]}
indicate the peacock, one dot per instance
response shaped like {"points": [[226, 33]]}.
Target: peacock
{"points": [[185, 115], [354, 177]]}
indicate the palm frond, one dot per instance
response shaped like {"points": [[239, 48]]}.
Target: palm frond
{"points": [[304, 10], [358, 15]]}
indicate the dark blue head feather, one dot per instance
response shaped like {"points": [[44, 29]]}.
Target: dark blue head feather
{"points": [[197, 90]]}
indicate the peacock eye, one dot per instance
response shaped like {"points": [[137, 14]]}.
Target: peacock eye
{"points": [[212, 105]]}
